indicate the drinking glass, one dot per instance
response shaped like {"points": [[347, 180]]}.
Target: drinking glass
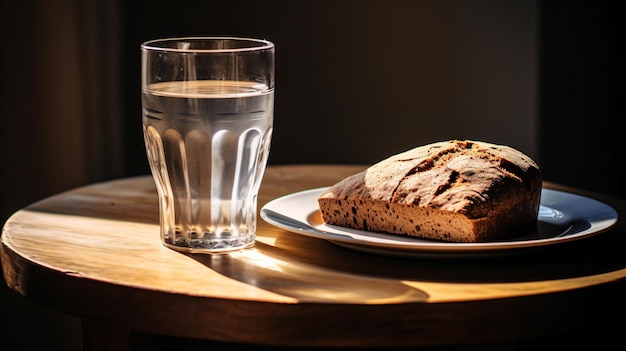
{"points": [[208, 112]]}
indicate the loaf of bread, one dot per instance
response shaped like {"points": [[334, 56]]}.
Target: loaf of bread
{"points": [[455, 191]]}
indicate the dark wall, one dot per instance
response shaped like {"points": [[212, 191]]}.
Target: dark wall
{"points": [[582, 116], [358, 81]]}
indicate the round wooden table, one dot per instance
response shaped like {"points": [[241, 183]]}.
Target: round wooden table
{"points": [[94, 252]]}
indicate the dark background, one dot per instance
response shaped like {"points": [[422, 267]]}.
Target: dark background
{"points": [[357, 81]]}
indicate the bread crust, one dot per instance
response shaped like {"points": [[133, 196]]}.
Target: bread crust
{"points": [[458, 191]]}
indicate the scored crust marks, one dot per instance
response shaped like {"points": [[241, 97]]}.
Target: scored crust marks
{"points": [[456, 176]]}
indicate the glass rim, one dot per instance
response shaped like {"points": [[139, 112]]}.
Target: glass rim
{"points": [[151, 44]]}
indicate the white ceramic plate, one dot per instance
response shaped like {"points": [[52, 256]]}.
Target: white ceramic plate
{"points": [[563, 217]]}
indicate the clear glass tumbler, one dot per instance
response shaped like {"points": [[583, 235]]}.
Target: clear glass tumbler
{"points": [[208, 112]]}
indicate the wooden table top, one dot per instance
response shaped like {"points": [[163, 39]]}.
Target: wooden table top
{"points": [[94, 252]]}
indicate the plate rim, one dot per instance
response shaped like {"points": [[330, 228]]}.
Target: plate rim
{"points": [[346, 239]]}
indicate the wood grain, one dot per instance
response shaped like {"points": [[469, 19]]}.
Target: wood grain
{"points": [[94, 252]]}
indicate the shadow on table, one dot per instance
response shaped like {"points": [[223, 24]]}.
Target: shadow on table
{"points": [[596, 255], [271, 269], [294, 262]]}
